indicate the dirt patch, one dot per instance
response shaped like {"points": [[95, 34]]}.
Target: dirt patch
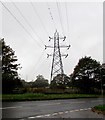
{"points": [[98, 111]]}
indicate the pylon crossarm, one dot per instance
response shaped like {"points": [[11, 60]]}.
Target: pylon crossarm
{"points": [[48, 47], [64, 55], [64, 46], [57, 47], [48, 55], [50, 38], [63, 38]]}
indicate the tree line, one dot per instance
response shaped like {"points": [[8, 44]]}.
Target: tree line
{"points": [[88, 75]]}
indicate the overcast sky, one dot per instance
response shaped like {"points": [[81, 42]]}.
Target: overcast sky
{"points": [[28, 32]]}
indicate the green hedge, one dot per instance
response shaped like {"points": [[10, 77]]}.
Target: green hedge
{"points": [[41, 96]]}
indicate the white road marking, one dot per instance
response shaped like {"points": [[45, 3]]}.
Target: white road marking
{"points": [[55, 114], [31, 117], [10, 107], [39, 116], [60, 112], [47, 115], [76, 110], [85, 109], [71, 111], [66, 111], [81, 109]]}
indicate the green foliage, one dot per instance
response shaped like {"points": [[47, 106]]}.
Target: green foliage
{"points": [[103, 75], [100, 107], [26, 84], [86, 74], [61, 81], [40, 82], [10, 79], [41, 96]]}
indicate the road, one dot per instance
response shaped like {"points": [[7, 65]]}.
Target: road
{"points": [[68, 108]]}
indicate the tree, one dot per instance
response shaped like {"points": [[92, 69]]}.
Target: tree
{"points": [[86, 74], [10, 79], [61, 81], [40, 82], [102, 70]]}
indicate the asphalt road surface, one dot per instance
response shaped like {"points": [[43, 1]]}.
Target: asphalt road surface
{"points": [[69, 108]]}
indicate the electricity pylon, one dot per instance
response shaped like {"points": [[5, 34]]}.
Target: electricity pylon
{"points": [[57, 66]]}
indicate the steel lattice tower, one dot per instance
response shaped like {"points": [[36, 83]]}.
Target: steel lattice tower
{"points": [[57, 66]]}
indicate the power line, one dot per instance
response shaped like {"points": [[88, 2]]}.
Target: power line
{"points": [[67, 18], [39, 60], [20, 23], [67, 21], [34, 8], [60, 18], [27, 21], [51, 15]]}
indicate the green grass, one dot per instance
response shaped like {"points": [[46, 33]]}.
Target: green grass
{"points": [[100, 107], [40, 96]]}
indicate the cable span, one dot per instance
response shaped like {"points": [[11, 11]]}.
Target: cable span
{"points": [[67, 21], [49, 9], [20, 24], [27, 22], [34, 8], [60, 18]]}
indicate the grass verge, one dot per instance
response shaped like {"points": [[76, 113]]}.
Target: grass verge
{"points": [[99, 109], [40, 96]]}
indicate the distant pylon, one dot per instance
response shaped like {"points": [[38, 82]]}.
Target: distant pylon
{"points": [[57, 66]]}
